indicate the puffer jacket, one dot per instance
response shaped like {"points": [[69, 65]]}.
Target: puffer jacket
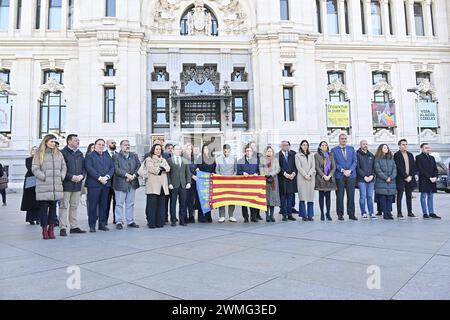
{"points": [[385, 168], [49, 176]]}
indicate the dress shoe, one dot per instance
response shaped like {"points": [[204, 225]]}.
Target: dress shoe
{"points": [[63, 233], [103, 228], [258, 216], [119, 226], [412, 216], [254, 219], [291, 218], [434, 216], [92, 230], [151, 227], [341, 217], [183, 224], [294, 210], [284, 218], [400, 217], [272, 219], [329, 217], [173, 224], [77, 230], [191, 220], [425, 216], [310, 219], [379, 214], [32, 223], [133, 225], [245, 220], [304, 218], [353, 217], [51, 231]]}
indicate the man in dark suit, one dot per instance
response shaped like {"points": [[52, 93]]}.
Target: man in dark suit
{"points": [[247, 166], [428, 175], [168, 150], [287, 179], [406, 181], [111, 148], [179, 183], [100, 169], [346, 163]]}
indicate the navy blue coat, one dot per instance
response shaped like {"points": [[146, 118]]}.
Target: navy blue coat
{"points": [[75, 167], [251, 167], [97, 168], [427, 168], [342, 163], [287, 186]]}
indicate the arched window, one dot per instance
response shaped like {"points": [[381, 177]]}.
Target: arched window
{"points": [[184, 22], [375, 11]]}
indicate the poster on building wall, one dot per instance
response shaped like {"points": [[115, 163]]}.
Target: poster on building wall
{"points": [[338, 115], [5, 117], [383, 114], [427, 113]]}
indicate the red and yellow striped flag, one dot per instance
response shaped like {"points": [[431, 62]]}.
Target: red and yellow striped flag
{"points": [[238, 190]]}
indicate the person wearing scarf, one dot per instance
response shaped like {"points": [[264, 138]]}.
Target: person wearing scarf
{"points": [[325, 181], [270, 167]]}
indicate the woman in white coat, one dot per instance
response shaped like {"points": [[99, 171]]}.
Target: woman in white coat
{"points": [[305, 163]]}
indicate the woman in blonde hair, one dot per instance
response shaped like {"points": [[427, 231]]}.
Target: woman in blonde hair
{"points": [[49, 168]]}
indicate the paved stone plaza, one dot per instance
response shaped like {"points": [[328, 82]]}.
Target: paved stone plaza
{"points": [[285, 260]]}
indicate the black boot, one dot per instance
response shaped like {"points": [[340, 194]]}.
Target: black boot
{"points": [[267, 217], [322, 216], [329, 217]]}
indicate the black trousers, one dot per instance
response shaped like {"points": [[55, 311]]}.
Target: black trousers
{"points": [[191, 195], [408, 192], [155, 209], [180, 194], [111, 196], [325, 198], [3, 193], [166, 208], [48, 212], [345, 186], [253, 212]]}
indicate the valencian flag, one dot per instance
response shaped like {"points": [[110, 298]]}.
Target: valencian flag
{"points": [[215, 191], [238, 190]]}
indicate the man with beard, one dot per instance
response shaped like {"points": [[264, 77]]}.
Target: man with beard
{"points": [[111, 148]]}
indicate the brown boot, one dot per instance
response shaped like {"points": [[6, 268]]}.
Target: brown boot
{"points": [[51, 233], [44, 233]]}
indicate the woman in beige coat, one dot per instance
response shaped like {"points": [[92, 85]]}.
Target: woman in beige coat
{"points": [[304, 161], [154, 170], [50, 170]]}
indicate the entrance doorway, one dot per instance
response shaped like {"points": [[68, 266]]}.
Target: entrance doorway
{"points": [[213, 140]]}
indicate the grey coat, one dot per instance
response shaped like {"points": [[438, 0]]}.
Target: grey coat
{"points": [[385, 168], [305, 166], [49, 176], [122, 166], [272, 189]]}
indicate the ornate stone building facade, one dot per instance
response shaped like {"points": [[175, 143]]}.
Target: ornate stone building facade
{"points": [[232, 70]]}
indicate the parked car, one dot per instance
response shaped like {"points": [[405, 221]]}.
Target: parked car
{"points": [[443, 182]]}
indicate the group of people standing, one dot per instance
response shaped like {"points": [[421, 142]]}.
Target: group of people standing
{"points": [[169, 174]]}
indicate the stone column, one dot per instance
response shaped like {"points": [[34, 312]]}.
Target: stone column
{"points": [[410, 17], [368, 15], [341, 16], [356, 25], [323, 10], [426, 8], [385, 17], [64, 15]]}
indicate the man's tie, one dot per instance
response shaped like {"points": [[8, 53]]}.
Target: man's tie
{"points": [[344, 152], [286, 156]]}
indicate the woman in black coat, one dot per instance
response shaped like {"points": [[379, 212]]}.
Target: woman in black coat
{"points": [[29, 203], [207, 164]]}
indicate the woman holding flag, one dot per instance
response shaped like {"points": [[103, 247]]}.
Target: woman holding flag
{"points": [[270, 167], [207, 164]]}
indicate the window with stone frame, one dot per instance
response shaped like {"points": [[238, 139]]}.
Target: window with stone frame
{"points": [[4, 98], [160, 109], [240, 109], [160, 74], [336, 96], [239, 75], [380, 96]]}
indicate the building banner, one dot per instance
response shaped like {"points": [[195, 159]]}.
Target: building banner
{"points": [[5, 117], [383, 114], [428, 117], [338, 115]]}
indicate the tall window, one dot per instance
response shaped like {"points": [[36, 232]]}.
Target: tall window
{"points": [[19, 14], [109, 70], [53, 108], [160, 110], [375, 12], [363, 17], [240, 110], [380, 96], [4, 99], [184, 22], [288, 103], [4, 14], [70, 15], [391, 26], [406, 17], [347, 23], [38, 14], [318, 16], [418, 19], [332, 77], [54, 14], [332, 17], [109, 112], [110, 8], [284, 9]]}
